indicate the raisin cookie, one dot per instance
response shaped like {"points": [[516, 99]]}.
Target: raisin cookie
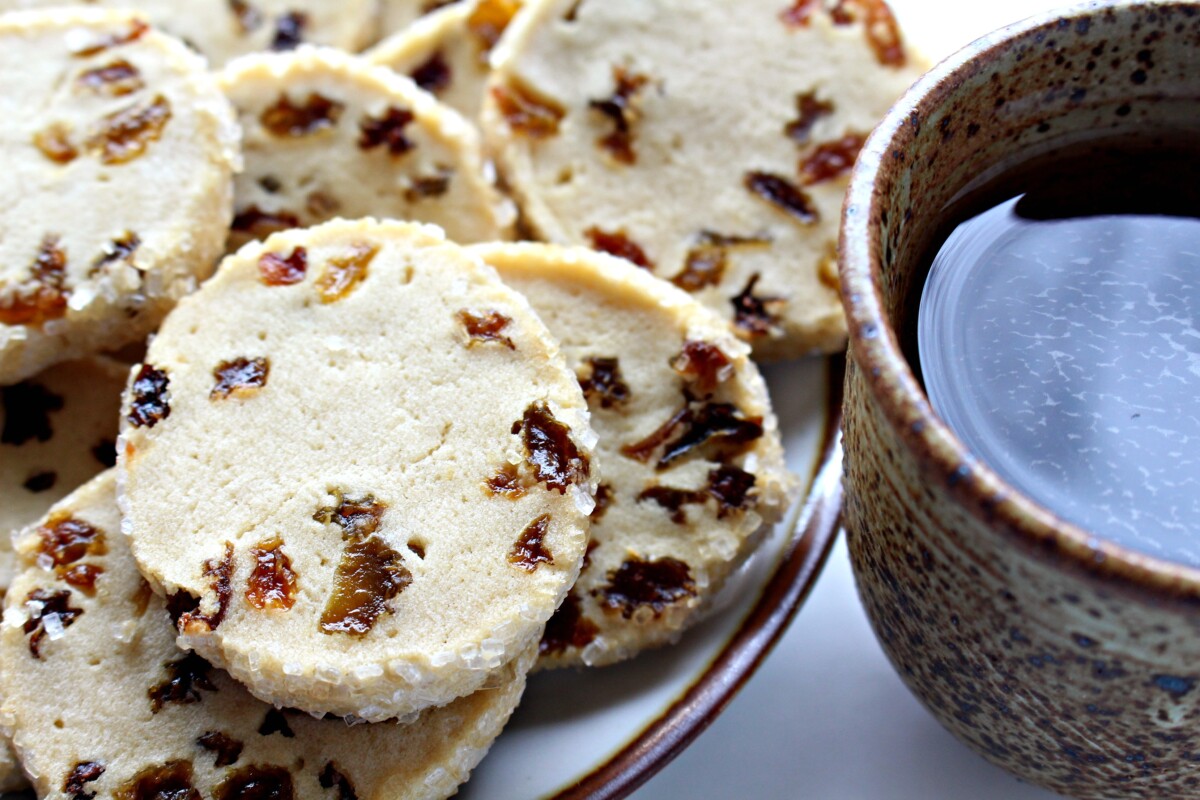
{"points": [[396, 15], [687, 443], [714, 154], [119, 150], [101, 702], [326, 135], [342, 558], [223, 29], [446, 53], [57, 429]]}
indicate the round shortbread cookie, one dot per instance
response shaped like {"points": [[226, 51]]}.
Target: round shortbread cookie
{"points": [[57, 429], [346, 392], [101, 702], [119, 152], [687, 444], [714, 154], [446, 52], [328, 135], [224, 29], [396, 15]]}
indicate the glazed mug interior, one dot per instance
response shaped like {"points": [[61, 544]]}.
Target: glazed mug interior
{"points": [[1067, 659]]}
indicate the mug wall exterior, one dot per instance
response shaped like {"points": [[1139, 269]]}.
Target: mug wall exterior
{"points": [[1066, 659]]}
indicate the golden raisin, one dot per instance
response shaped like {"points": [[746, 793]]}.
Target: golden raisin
{"points": [[54, 142], [369, 575], [221, 572], [120, 249], [487, 22], [240, 378], [43, 603], [65, 539], [344, 273], [831, 160], [703, 365], [525, 112], [278, 270], [506, 482], [115, 79], [808, 110], [555, 459], [882, 30], [149, 405], [621, 108], [530, 549], [486, 327], [357, 517], [136, 29], [82, 577], [388, 130], [125, 134], [272, 582], [169, 781], [618, 244], [42, 296], [285, 118]]}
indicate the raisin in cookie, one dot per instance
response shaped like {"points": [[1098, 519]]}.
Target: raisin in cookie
{"points": [[714, 154], [327, 135], [118, 151], [396, 15], [687, 443], [223, 29], [341, 556], [446, 53], [57, 429], [101, 702]]}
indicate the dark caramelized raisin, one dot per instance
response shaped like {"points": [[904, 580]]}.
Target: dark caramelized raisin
{"points": [[119, 249], [82, 773], [673, 500], [754, 315], [65, 540], [646, 584], [148, 405], [180, 604], [369, 575], [530, 550], [618, 244], [276, 722], [27, 408], [82, 576], [782, 194], [831, 160], [487, 22], [433, 75], [185, 678], [703, 365], [525, 112], [601, 382], [506, 482], [42, 296], [289, 31], [40, 482], [705, 263], [135, 31], [357, 517], [604, 498], [248, 17], [125, 134], [228, 749], [808, 110], [330, 776], [730, 486], [221, 572], [387, 130], [256, 782], [169, 781], [486, 327], [344, 273], [272, 582], [260, 224], [567, 628], [240, 378], [621, 108], [43, 605], [422, 186], [644, 449], [54, 142], [285, 118], [696, 425], [278, 270], [115, 79], [556, 460]]}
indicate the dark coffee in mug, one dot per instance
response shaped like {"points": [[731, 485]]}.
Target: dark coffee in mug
{"points": [[1058, 335]]}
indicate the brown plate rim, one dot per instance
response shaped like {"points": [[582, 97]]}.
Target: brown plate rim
{"points": [[805, 554]]}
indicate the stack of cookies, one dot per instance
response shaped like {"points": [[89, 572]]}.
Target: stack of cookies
{"points": [[378, 460]]}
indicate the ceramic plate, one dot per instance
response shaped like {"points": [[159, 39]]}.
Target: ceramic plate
{"points": [[601, 733]]}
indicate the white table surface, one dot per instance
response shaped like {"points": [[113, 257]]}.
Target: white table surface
{"points": [[826, 717]]}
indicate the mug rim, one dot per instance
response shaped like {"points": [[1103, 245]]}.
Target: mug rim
{"points": [[875, 350]]}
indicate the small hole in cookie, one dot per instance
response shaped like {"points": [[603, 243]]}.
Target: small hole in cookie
{"points": [[58, 723], [408, 274], [262, 336], [565, 176], [417, 547]]}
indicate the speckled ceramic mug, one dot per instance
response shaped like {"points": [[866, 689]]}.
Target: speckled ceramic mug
{"points": [[1068, 660]]}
